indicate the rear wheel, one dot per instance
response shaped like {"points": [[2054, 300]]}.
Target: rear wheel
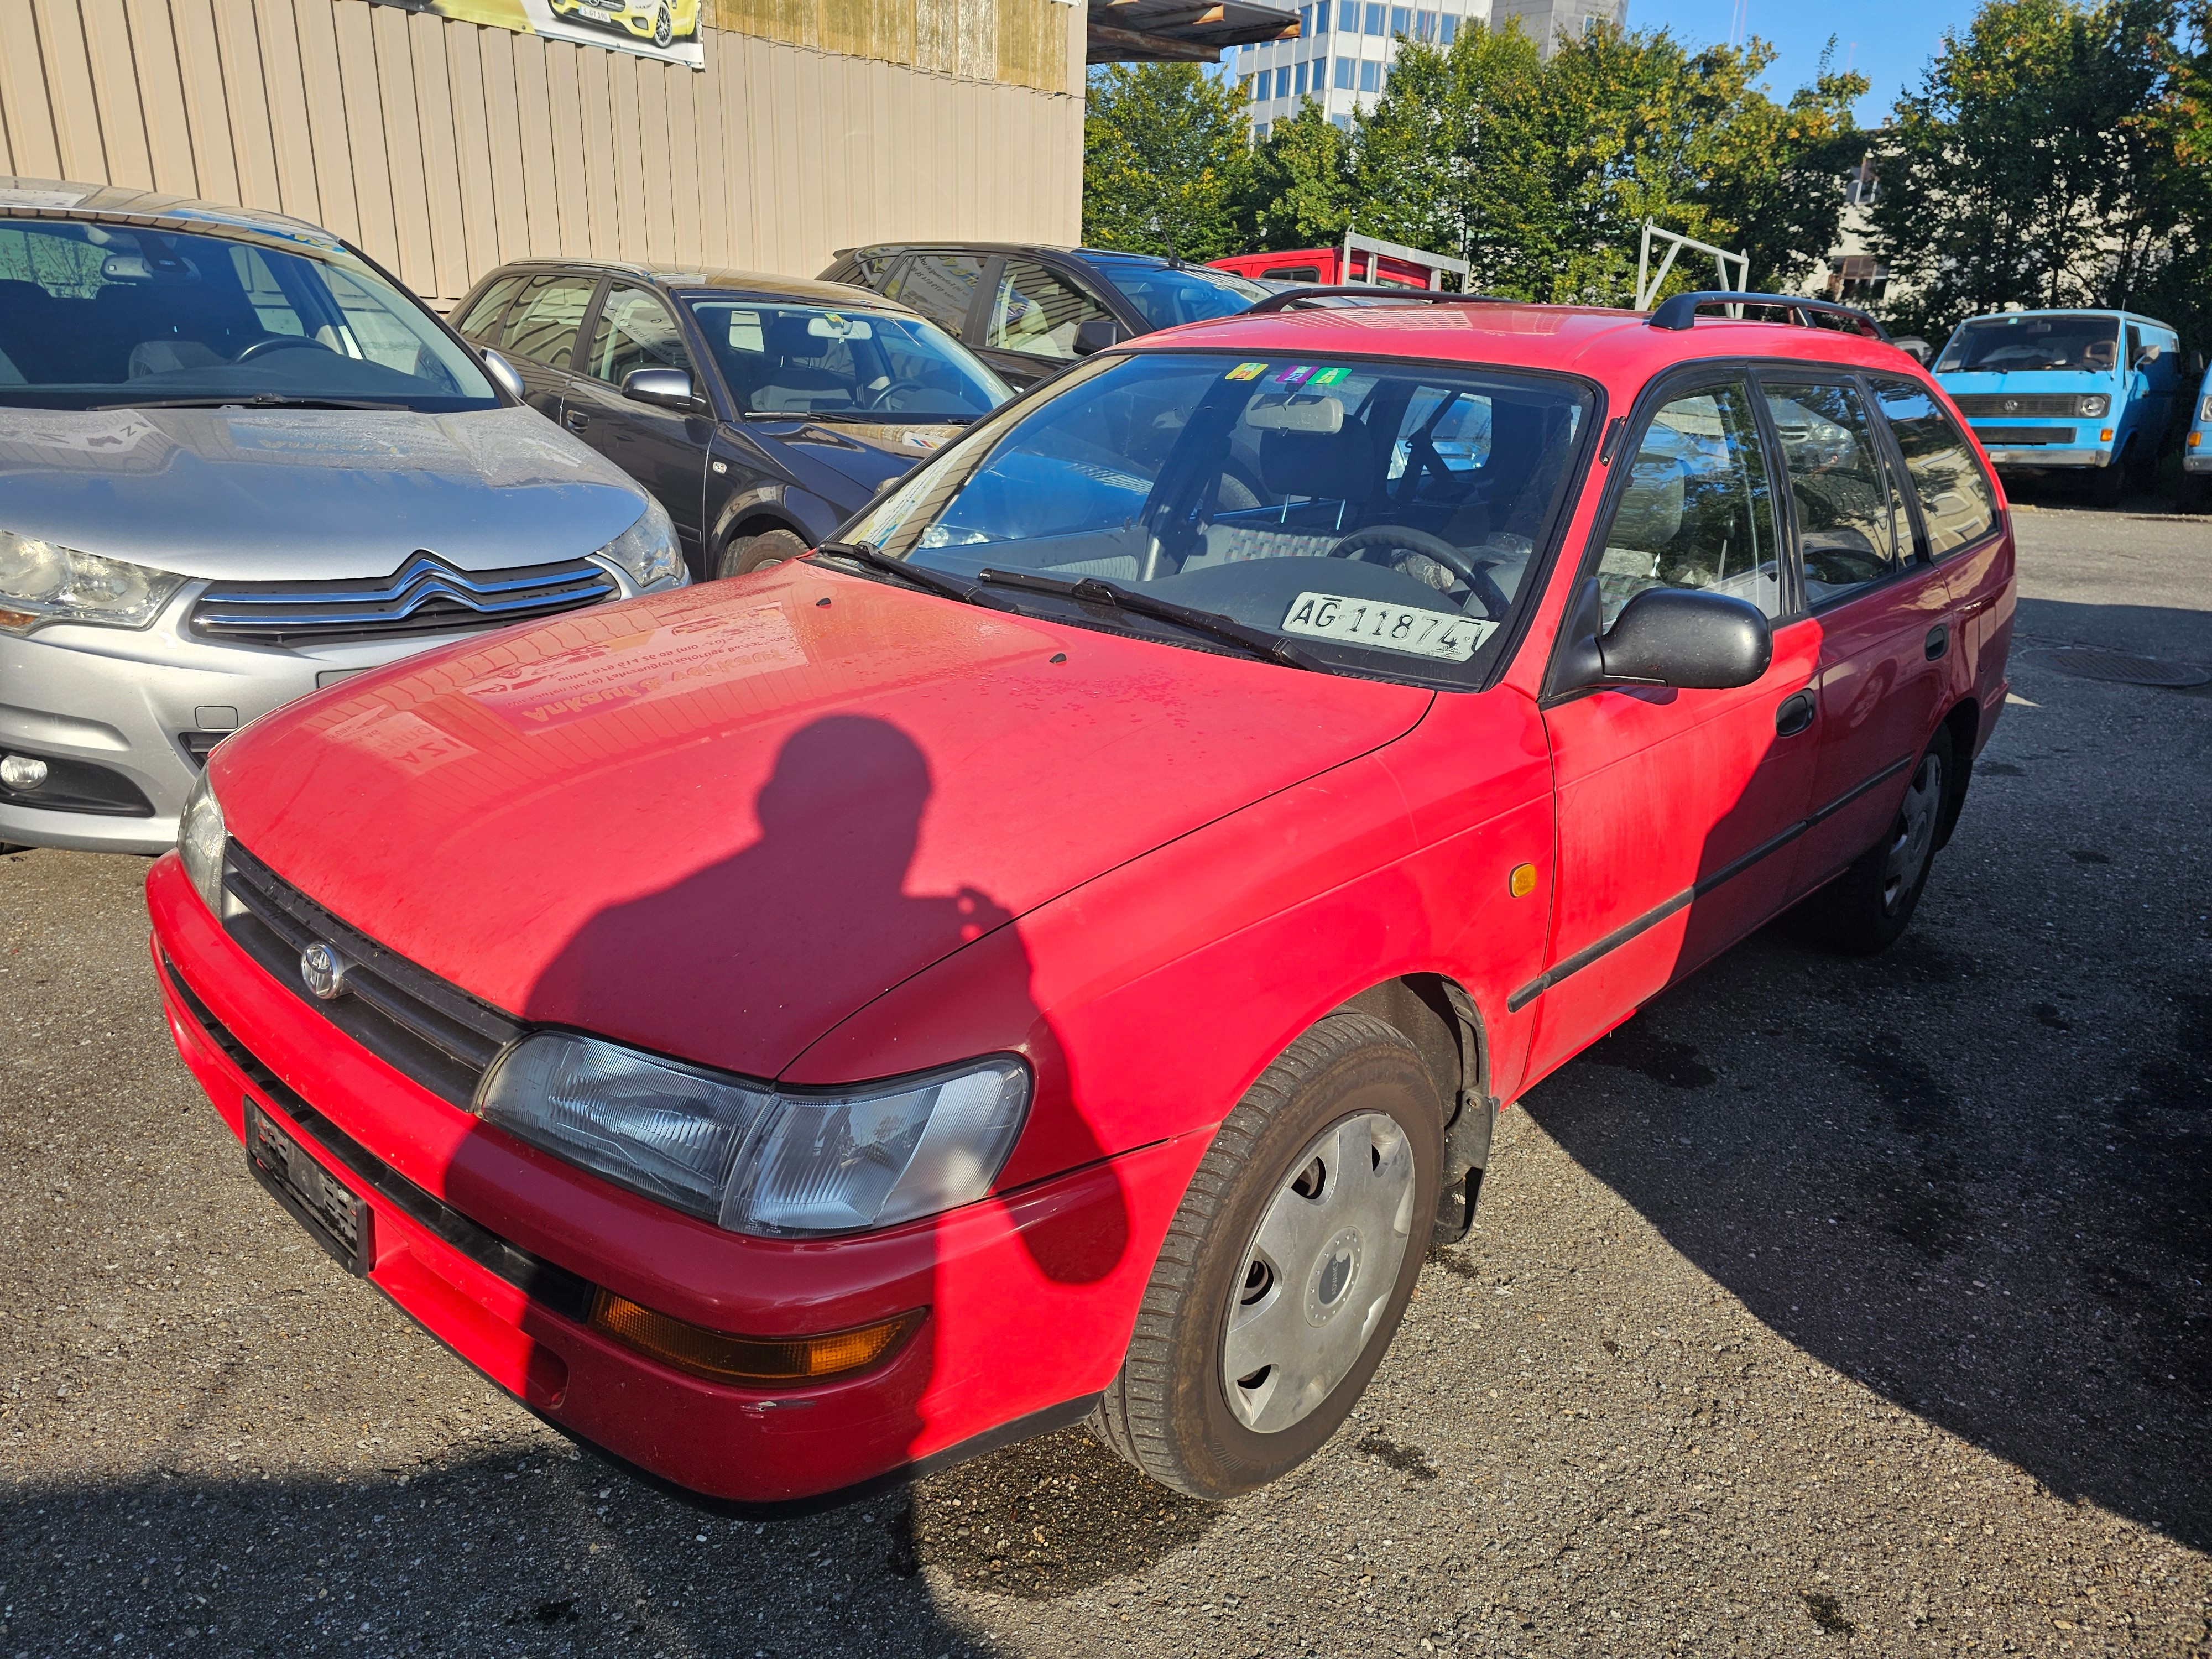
{"points": [[1287, 1268], [742, 555], [1864, 909]]}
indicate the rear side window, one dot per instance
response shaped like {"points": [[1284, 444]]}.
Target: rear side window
{"points": [[1851, 527], [1956, 502], [941, 286], [545, 320], [486, 311]]}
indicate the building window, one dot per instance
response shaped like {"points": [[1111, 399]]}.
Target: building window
{"points": [[1259, 131], [1375, 18], [1341, 123], [1305, 21], [1299, 81], [1401, 20], [1345, 70], [1321, 19], [1369, 69], [1283, 81], [1450, 28], [1246, 84]]}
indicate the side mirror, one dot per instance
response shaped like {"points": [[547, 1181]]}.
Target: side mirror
{"points": [[1096, 335], [502, 373], [2196, 363], [667, 388], [1915, 348], [1665, 637]]}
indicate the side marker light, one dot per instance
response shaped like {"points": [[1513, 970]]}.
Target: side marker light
{"points": [[748, 1361], [1522, 881]]}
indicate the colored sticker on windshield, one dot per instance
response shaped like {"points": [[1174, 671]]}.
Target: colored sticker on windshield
{"points": [[1246, 372], [1295, 374], [1330, 376]]}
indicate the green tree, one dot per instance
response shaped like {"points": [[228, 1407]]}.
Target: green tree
{"points": [[1166, 160], [1299, 191]]}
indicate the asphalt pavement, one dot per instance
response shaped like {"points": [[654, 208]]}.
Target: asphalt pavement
{"points": [[1826, 1306]]}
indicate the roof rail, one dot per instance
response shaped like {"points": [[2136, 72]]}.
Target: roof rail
{"points": [[1681, 311], [1290, 297]]}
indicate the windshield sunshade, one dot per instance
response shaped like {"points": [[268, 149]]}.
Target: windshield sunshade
{"points": [[1380, 516]]}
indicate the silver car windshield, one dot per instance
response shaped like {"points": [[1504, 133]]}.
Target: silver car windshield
{"points": [[1379, 517], [808, 362], [95, 316]]}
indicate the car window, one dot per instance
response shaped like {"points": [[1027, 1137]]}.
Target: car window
{"points": [[634, 330], [2082, 342], [1699, 509], [546, 317], [819, 359], [1956, 502], [941, 286], [1851, 526], [480, 317], [94, 315], [1166, 295], [1035, 312], [1263, 490]]}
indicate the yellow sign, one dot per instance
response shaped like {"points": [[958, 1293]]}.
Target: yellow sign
{"points": [[666, 29]]}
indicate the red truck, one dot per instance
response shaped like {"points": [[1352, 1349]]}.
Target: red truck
{"points": [[1360, 259]]}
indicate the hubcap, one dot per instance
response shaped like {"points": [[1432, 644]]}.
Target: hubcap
{"points": [[1318, 1273], [1914, 836]]}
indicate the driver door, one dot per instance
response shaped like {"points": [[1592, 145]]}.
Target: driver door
{"points": [[664, 449]]}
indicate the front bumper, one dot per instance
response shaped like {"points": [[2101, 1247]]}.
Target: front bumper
{"points": [[2037, 455], [2196, 460], [1030, 1295]]}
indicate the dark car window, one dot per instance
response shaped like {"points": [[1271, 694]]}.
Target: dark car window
{"points": [[1037, 312], [1166, 295], [546, 317], [482, 316], [1956, 502], [941, 287], [1261, 490], [634, 330], [108, 314], [1698, 511], [1851, 527], [822, 360]]}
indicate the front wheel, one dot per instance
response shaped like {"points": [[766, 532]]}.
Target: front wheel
{"points": [[664, 27], [1863, 911], [1287, 1268], [741, 555]]}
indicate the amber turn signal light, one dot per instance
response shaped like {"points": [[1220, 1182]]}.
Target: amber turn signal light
{"points": [[750, 1361], [1522, 881]]}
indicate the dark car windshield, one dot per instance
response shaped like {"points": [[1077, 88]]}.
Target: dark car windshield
{"points": [[1166, 294], [95, 314], [814, 359], [1381, 516], [1994, 345]]}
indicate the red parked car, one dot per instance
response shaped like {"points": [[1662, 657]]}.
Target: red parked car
{"points": [[1057, 953]]}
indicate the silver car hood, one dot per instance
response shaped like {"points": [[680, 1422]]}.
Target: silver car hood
{"points": [[291, 493]]}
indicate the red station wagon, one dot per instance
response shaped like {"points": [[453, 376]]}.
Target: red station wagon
{"points": [[1057, 953]]}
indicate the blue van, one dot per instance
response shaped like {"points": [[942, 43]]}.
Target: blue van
{"points": [[2197, 451], [2094, 391]]}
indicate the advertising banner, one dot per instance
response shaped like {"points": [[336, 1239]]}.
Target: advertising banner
{"points": [[666, 29]]}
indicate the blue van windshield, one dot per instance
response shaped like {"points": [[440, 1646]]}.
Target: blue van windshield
{"points": [[2084, 343]]}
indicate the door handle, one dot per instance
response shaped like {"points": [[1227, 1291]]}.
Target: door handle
{"points": [[575, 420], [1937, 642], [1794, 714]]}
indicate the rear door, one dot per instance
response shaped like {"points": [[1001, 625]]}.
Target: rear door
{"points": [[664, 449], [539, 335]]}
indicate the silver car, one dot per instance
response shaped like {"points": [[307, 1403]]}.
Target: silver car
{"points": [[238, 462]]}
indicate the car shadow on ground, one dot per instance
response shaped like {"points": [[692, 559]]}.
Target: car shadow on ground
{"points": [[2014, 1250]]}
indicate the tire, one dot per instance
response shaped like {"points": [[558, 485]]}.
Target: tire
{"points": [[2195, 495], [742, 555], [1863, 911], [1313, 1208], [2111, 482], [664, 27]]}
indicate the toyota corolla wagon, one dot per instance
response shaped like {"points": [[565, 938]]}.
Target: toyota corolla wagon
{"points": [[1057, 952]]}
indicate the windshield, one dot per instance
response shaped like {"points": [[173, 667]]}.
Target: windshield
{"points": [[1381, 516], [1993, 345], [1167, 295], [812, 361], [93, 315]]}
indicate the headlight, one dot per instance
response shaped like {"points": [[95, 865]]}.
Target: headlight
{"points": [[200, 842], [2092, 405], [2205, 413], [646, 552], [41, 582], [753, 1159]]}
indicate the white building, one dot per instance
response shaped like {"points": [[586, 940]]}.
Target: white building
{"points": [[1342, 56]]}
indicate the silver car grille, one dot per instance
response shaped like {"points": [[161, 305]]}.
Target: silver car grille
{"points": [[425, 595]]}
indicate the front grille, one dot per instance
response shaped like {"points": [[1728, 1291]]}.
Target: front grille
{"points": [[2014, 437], [435, 1033], [425, 595], [2034, 405], [198, 745]]}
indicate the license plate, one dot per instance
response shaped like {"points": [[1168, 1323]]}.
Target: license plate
{"points": [[1386, 627], [321, 1203]]}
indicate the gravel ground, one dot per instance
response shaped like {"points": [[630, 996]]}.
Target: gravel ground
{"points": [[1825, 1306]]}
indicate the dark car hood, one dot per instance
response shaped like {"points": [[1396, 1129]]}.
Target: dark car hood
{"points": [[846, 463]]}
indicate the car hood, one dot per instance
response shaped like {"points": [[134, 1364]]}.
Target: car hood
{"points": [[715, 821], [847, 462], [297, 493]]}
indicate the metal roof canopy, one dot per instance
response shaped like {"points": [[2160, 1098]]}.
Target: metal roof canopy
{"points": [[1179, 31]]}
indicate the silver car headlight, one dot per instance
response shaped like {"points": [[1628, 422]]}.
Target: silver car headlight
{"points": [[2092, 406], [751, 1157], [43, 582], [201, 839], [647, 552]]}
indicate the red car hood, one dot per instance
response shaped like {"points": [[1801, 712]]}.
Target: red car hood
{"points": [[715, 821]]}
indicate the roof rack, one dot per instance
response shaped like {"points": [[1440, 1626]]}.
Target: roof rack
{"points": [[1681, 311], [1290, 297]]}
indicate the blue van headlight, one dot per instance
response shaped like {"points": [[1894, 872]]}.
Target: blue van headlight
{"points": [[2092, 406]]}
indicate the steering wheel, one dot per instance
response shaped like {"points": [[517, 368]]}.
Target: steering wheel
{"points": [[1403, 539], [881, 399], [268, 343]]}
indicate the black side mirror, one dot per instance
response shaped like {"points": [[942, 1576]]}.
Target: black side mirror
{"points": [[669, 388], [1665, 636], [1096, 335], [1915, 348], [2197, 362]]}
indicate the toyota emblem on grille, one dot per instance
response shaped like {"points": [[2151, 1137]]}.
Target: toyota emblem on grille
{"points": [[322, 972]]}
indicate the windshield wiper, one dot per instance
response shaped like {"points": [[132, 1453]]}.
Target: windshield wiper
{"points": [[257, 400], [930, 581], [1256, 641], [858, 417]]}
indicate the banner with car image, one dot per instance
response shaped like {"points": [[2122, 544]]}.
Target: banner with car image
{"points": [[666, 29]]}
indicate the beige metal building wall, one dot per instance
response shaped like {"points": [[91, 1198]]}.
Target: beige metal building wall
{"points": [[444, 148]]}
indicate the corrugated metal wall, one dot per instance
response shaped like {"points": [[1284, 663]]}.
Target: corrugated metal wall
{"points": [[444, 148]]}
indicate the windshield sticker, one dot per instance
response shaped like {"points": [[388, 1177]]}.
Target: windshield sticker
{"points": [[1246, 372], [1386, 627], [1330, 376], [1294, 375]]}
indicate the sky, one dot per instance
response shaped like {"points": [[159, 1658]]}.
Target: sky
{"points": [[1888, 41]]}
